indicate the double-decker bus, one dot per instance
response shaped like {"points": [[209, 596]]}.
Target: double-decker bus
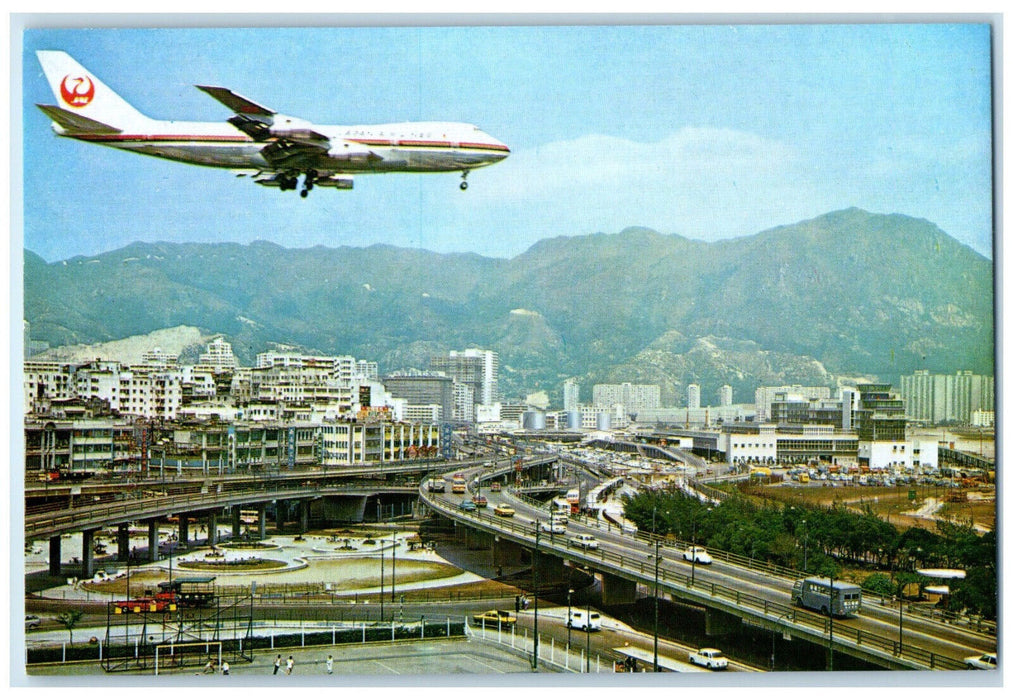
{"points": [[829, 597]]}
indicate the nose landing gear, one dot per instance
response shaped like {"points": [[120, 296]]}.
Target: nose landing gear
{"points": [[464, 180], [307, 183]]}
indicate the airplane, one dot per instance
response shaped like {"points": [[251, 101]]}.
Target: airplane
{"points": [[275, 149]]}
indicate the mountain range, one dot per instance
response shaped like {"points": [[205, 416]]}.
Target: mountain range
{"points": [[847, 293]]}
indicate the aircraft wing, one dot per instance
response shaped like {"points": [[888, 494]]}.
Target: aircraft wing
{"points": [[237, 103]]}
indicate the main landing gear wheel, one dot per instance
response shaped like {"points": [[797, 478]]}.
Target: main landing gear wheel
{"points": [[307, 184], [464, 180]]}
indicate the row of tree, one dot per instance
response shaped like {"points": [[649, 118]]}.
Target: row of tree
{"points": [[824, 539]]}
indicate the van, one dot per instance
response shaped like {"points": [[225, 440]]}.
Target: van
{"points": [[580, 620]]}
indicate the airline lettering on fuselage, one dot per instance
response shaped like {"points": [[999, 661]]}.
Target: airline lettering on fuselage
{"points": [[77, 91]]}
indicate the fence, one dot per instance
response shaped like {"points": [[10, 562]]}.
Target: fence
{"points": [[330, 633]]}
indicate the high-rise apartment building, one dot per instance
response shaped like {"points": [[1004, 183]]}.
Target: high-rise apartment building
{"points": [[633, 397], [693, 396], [218, 355], [940, 398], [725, 395], [475, 368], [571, 395]]}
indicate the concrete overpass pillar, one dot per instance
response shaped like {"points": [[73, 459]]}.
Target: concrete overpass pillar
{"points": [[718, 623], [152, 540], [279, 514], [304, 517], [213, 528], [551, 569], [54, 555], [616, 590], [237, 524], [123, 542], [184, 529], [262, 522], [87, 553], [507, 553]]}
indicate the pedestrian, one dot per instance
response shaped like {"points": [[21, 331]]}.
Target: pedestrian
{"points": [[225, 668], [289, 665], [277, 665], [330, 664], [209, 667]]}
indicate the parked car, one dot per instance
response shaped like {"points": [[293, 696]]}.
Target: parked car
{"points": [[553, 526], [585, 541], [708, 658], [496, 617], [986, 662], [697, 554], [468, 506], [503, 510], [32, 622]]}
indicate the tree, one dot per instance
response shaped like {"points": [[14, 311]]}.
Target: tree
{"points": [[69, 619]]}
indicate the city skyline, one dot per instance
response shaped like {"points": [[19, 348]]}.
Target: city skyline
{"points": [[666, 129]]}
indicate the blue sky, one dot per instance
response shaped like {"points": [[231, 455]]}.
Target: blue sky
{"points": [[709, 132]]}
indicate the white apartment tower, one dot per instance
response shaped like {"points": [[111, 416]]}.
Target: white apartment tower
{"points": [[725, 395], [571, 395], [693, 396]]}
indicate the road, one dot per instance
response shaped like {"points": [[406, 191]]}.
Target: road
{"points": [[636, 556]]}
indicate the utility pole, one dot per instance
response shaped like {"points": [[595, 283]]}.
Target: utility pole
{"points": [[534, 585], [657, 560]]}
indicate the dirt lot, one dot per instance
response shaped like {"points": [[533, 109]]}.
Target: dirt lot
{"points": [[974, 505]]}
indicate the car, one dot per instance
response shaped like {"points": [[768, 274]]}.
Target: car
{"points": [[585, 541], [986, 662], [481, 501], [504, 511], [697, 554], [468, 506], [32, 622], [553, 526], [496, 617], [708, 658], [495, 486]]}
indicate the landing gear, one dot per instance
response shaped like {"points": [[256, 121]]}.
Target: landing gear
{"points": [[287, 182], [307, 183], [464, 180]]}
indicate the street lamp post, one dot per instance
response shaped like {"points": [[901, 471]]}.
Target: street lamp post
{"points": [[657, 560], [569, 619], [805, 547], [393, 565], [587, 629], [900, 647], [381, 580], [534, 586], [831, 622]]}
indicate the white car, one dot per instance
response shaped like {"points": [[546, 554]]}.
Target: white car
{"points": [[585, 541], [708, 658], [555, 527], [697, 554], [985, 662], [32, 622]]}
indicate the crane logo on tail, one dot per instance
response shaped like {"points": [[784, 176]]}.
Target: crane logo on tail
{"points": [[77, 91]]}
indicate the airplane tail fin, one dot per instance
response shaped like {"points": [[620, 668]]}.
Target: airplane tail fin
{"points": [[83, 101]]}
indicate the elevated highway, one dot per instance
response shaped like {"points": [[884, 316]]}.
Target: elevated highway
{"points": [[756, 597]]}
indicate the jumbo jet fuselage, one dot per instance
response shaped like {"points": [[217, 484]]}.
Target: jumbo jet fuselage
{"points": [[405, 147]]}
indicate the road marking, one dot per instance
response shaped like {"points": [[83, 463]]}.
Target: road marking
{"points": [[474, 659], [379, 663]]}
